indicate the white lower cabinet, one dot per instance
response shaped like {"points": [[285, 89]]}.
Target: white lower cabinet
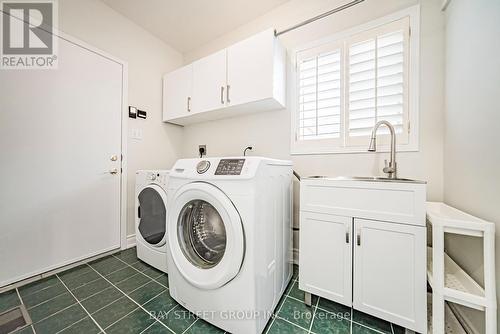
{"points": [[363, 244], [388, 281], [326, 248]]}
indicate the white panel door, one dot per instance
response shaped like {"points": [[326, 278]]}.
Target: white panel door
{"points": [[390, 272], [209, 82], [177, 93], [250, 69], [59, 129], [325, 262]]}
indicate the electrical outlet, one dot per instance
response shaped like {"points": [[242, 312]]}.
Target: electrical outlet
{"points": [[202, 150]]}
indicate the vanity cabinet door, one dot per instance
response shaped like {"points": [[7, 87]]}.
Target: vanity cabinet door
{"points": [[325, 263], [390, 272]]}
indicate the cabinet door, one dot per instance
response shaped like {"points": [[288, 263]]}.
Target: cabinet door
{"points": [[177, 93], [250, 69], [390, 272], [325, 263], [209, 83]]}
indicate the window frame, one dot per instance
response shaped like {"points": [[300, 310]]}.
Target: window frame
{"points": [[332, 146]]}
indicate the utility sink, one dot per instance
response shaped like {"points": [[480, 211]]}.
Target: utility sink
{"points": [[366, 178]]}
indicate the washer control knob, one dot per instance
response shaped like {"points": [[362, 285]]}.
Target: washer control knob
{"points": [[153, 177], [202, 166]]}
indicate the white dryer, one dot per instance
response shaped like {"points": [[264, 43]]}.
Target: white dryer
{"points": [[230, 239], [151, 212]]}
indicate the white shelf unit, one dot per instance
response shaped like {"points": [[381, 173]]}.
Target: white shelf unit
{"points": [[452, 325], [448, 280]]}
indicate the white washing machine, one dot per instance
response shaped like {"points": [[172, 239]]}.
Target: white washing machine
{"points": [[229, 233], [151, 212]]}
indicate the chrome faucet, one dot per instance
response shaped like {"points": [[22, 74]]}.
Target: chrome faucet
{"points": [[391, 169]]}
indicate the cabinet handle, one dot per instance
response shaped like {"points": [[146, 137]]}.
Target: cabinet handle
{"points": [[347, 235], [222, 95], [358, 239], [189, 103], [227, 94]]}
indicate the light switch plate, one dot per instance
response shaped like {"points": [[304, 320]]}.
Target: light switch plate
{"points": [[137, 134]]}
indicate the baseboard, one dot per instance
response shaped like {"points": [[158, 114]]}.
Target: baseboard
{"points": [[131, 241]]}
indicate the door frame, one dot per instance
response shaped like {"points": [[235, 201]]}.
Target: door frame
{"points": [[124, 126]]}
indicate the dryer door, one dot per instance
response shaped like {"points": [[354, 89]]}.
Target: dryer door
{"points": [[152, 215], [205, 236]]}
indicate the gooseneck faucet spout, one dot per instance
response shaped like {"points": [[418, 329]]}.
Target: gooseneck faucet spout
{"points": [[391, 169]]}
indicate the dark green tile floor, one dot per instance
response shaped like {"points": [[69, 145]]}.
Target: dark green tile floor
{"points": [[120, 294]]}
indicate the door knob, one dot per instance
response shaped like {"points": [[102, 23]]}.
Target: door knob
{"points": [[114, 157], [113, 171]]}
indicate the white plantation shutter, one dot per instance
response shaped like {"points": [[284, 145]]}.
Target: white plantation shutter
{"points": [[377, 81], [345, 86], [319, 96]]}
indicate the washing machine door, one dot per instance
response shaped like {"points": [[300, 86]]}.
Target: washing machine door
{"points": [[205, 234], [152, 215]]}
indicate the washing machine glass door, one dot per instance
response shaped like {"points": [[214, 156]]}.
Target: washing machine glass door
{"points": [[153, 215], [206, 236]]}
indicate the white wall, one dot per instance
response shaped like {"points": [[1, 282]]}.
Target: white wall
{"points": [[472, 125], [148, 59], [269, 132]]}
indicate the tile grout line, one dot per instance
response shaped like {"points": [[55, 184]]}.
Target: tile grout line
{"points": [[152, 324], [184, 331], [35, 281], [370, 328], [51, 286], [166, 314], [45, 301], [86, 311], [153, 279], [71, 324], [135, 309], [124, 294], [130, 297], [123, 317], [313, 315], [52, 314], [275, 315], [22, 302], [291, 323]]}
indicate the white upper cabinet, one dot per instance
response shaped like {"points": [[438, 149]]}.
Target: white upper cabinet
{"points": [[255, 70], [209, 82], [177, 93], [248, 76]]}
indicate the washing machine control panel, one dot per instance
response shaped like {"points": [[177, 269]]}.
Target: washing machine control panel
{"points": [[230, 167]]}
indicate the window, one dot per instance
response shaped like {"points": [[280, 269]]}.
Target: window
{"points": [[345, 84]]}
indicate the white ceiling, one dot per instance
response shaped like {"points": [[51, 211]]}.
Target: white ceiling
{"points": [[187, 24]]}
